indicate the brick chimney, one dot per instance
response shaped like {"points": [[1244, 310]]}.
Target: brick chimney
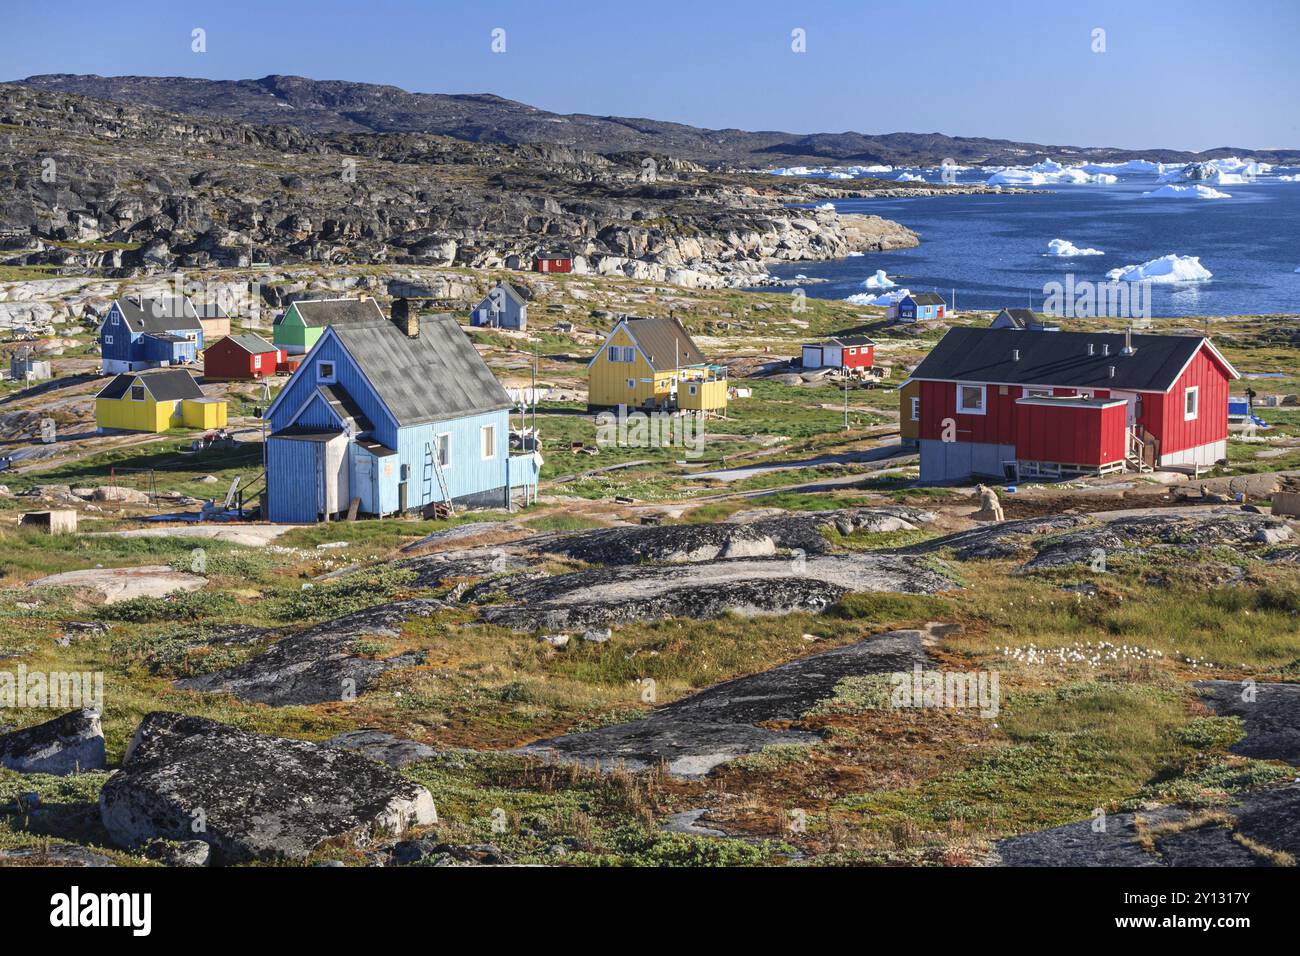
{"points": [[405, 318]]}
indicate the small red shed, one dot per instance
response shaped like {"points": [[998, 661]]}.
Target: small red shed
{"points": [[553, 262], [243, 356]]}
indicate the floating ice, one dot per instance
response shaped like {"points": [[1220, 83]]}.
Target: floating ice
{"points": [[1186, 192], [884, 298], [1166, 269], [909, 178], [1065, 249], [878, 281]]}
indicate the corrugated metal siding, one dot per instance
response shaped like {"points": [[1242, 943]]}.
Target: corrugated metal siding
{"points": [[292, 481], [145, 416]]}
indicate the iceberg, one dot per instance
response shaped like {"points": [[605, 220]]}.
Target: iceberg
{"points": [[1166, 269], [1187, 192], [1016, 177], [878, 281], [909, 178], [1289, 179], [884, 298], [1046, 173], [1065, 249]]}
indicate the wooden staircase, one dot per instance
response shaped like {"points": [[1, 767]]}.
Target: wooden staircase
{"points": [[1141, 453]]}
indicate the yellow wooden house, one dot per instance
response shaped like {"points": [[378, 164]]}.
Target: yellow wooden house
{"points": [[654, 364], [156, 400]]}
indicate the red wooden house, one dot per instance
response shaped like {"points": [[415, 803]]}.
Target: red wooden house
{"points": [[553, 262], [853, 354], [243, 356], [1001, 403]]}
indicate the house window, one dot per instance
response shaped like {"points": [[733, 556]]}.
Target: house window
{"points": [[613, 353], [629, 354], [137, 393], [108, 340], [970, 399], [853, 351], [443, 442], [489, 434], [1038, 393], [692, 389], [916, 408], [257, 361], [115, 318], [325, 371], [1191, 403], [631, 383]]}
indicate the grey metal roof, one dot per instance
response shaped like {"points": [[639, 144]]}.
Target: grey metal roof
{"points": [[251, 342], [435, 376], [164, 384], [1060, 359], [168, 314], [927, 298], [319, 313], [345, 407], [511, 292], [665, 342]]}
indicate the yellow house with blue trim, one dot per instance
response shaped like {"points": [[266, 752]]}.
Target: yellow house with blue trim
{"points": [[654, 364], [156, 400]]}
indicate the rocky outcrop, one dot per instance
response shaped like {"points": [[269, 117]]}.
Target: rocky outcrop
{"points": [[697, 733], [392, 751], [249, 796], [145, 191], [748, 586], [1269, 712], [318, 664], [1267, 820], [71, 743]]}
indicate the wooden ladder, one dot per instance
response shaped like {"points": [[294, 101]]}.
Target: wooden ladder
{"points": [[433, 469]]}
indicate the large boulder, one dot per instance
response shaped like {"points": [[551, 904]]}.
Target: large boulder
{"points": [[250, 796], [71, 743]]}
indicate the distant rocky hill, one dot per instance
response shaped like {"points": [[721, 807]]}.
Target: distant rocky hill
{"points": [[121, 189], [334, 106]]}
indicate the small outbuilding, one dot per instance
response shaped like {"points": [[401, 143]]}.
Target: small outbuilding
{"points": [[242, 356], [155, 400], [503, 308]]}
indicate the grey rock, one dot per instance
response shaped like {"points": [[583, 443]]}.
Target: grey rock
{"points": [[317, 664], [53, 854], [172, 853], [697, 733], [256, 797], [71, 743], [395, 752], [597, 635], [1271, 719]]}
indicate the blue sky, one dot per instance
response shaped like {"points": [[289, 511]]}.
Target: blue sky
{"points": [[1175, 73]]}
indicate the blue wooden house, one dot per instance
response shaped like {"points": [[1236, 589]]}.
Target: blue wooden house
{"points": [[149, 333], [396, 416], [502, 308], [919, 306]]}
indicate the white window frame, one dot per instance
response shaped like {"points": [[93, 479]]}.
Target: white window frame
{"points": [[1038, 393], [322, 377], [631, 383], [115, 317], [483, 443], [108, 340], [1193, 392], [963, 409], [614, 353], [438, 449], [257, 360], [629, 354], [916, 408], [144, 393], [692, 389]]}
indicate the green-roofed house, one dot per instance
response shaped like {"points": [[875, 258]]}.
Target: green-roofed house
{"points": [[299, 327]]}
